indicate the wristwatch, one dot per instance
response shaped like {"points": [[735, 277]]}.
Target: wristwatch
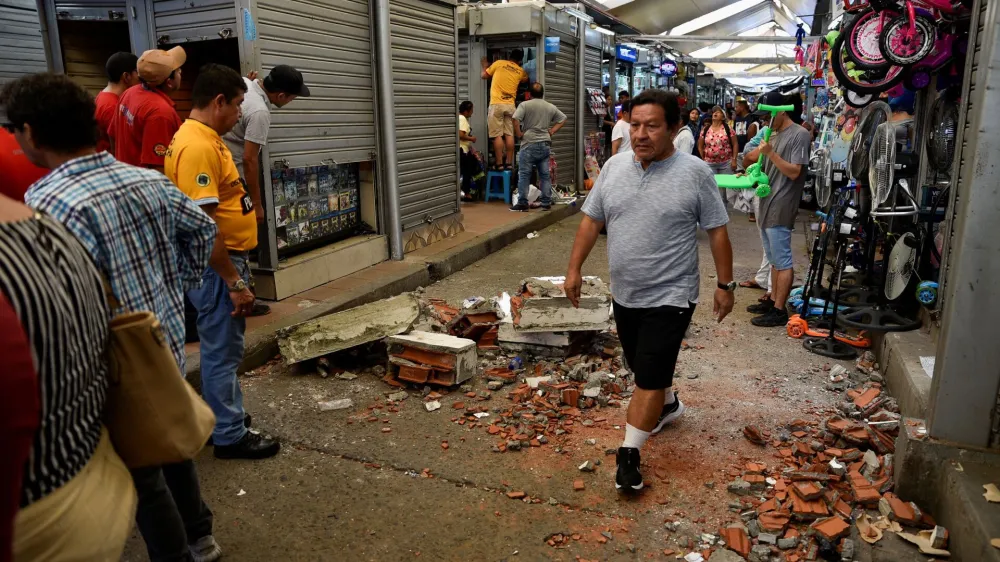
{"points": [[238, 286], [731, 286]]}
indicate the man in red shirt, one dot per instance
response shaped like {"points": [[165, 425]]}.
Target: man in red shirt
{"points": [[122, 75], [146, 120], [17, 173]]}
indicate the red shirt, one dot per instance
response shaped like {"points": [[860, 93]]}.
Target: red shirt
{"points": [[17, 173], [107, 106], [143, 126]]}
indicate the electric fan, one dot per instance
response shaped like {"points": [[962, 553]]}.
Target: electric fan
{"points": [[890, 167], [872, 116], [902, 263], [943, 128]]}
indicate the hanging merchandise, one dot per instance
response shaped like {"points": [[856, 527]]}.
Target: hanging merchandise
{"points": [[597, 102], [800, 58]]}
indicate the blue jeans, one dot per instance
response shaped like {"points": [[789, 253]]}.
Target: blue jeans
{"points": [[534, 155], [777, 241], [221, 352]]}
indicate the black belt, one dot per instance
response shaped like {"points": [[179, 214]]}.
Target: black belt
{"points": [[245, 254]]}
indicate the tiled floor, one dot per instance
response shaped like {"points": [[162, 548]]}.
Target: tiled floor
{"points": [[479, 219]]}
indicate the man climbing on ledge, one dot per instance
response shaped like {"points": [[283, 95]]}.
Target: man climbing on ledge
{"points": [[652, 200], [506, 75], [785, 157]]}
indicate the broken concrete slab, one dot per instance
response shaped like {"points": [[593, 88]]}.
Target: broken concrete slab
{"points": [[429, 357], [542, 306], [347, 329]]}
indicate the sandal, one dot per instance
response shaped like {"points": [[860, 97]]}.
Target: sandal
{"points": [[750, 284]]}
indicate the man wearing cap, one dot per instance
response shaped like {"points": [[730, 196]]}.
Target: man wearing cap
{"points": [[785, 158], [245, 141], [200, 164], [146, 118]]}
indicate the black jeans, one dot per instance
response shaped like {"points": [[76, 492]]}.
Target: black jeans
{"points": [[171, 514], [469, 165]]}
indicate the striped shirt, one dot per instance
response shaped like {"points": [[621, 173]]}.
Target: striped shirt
{"points": [[149, 239], [57, 295]]}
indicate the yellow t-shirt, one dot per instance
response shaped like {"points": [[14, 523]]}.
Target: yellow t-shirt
{"points": [[506, 76], [465, 127], [200, 164]]}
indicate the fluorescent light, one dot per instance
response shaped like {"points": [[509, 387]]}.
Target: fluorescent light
{"points": [[600, 29], [577, 13], [713, 17]]}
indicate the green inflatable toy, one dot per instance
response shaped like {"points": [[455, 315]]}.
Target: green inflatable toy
{"points": [[754, 178]]}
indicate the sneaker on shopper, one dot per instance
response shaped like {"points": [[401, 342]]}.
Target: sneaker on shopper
{"points": [[252, 446], [206, 549], [628, 479], [669, 414], [772, 319], [546, 207], [520, 207], [762, 307]]}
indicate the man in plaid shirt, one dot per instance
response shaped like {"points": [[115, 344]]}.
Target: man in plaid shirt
{"points": [[149, 240]]}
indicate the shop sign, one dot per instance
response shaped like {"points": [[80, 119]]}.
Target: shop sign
{"points": [[819, 82], [668, 68], [626, 53], [551, 50]]}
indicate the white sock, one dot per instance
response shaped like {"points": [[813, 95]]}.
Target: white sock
{"points": [[635, 437], [669, 397]]}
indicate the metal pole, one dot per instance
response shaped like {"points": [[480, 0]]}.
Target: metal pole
{"points": [[714, 39], [387, 123], [581, 46]]}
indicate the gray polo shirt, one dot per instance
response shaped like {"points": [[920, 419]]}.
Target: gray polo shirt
{"points": [[537, 116], [254, 123], [652, 217], [780, 208]]}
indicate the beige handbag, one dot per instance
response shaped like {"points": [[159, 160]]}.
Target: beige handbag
{"points": [[153, 415]]}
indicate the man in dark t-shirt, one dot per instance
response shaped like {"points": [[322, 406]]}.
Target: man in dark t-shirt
{"points": [[745, 124]]}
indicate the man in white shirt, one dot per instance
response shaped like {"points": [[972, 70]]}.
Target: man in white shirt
{"points": [[684, 141], [620, 136]]}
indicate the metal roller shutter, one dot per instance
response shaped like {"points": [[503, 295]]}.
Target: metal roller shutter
{"points": [[329, 41], [591, 79], [424, 89], [177, 21], [464, 45], [22, 49], [103, 10], [560, 90]]}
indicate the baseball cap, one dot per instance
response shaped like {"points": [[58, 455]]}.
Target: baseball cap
{"points": [[155, 65], [284, 78], [773, 97]]}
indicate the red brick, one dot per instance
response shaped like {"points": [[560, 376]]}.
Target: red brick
{"points": [[737, 540], [807, 490], [570, 396], [769, 505], [867, 397], [774, 521], [901, 511], [831, 528], [578, 485], [516, 495]]}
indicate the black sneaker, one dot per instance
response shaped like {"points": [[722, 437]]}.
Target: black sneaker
{"points": [[246, 423], [628, 479], [772, 319], [669, 414], [762, 307], [520, 207], [252, 446], [546, 207]]}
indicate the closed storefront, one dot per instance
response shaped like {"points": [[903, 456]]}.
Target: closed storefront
{"points": [[22, 48], [561, 90], [592, 57]]}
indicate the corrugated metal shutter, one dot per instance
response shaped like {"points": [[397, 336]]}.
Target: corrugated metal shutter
{"points": [[560, 90], [106, 10], [22, 49], [329, 41], [464, 71], [964, 151], [591, 79], [424, 89], [177, 21]]}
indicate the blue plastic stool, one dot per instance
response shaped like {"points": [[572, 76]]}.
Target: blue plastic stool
{"points": [[503, 194]]}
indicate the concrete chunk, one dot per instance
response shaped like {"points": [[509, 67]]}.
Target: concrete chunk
{"points": [[542, 306], [432, 358], [347, 329]]}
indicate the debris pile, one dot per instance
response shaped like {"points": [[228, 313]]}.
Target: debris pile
{"points": [[542, 306], [830, 475]]}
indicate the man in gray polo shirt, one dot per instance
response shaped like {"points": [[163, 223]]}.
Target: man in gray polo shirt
{"points": [[652, 201], [246, 139], [535, 121]]}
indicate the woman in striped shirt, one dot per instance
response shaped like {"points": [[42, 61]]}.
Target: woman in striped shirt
{"points": [[76, 499]]}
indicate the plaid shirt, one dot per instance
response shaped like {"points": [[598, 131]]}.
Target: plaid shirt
{"points": [[149, 239]]}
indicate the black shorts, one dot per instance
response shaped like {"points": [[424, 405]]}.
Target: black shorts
{"points": [[651, 339]]}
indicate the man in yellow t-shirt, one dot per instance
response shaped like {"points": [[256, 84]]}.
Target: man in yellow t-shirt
{"points": [[506, 74], [200, 164]]}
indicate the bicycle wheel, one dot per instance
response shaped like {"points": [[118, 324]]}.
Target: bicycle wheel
{"points": [[873, 81], [857, 100], [863, 40], [902, 48]]}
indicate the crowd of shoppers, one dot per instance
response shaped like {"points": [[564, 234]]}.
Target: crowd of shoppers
{"points": [[104, 232]]}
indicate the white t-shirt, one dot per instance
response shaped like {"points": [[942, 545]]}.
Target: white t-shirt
{"points": [[465, 127], [621, 131], [684, 141]]}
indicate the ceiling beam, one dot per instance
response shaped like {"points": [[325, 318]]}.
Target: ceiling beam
{"points": [[748, 60], [784, 74], [712, 39]]}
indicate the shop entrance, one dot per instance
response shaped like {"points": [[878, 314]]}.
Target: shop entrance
{"points": [[529, 62], [199, 53], [86, 47]]}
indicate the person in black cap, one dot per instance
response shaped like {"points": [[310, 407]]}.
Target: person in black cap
{"points": [[246, 139], [785, 159]]}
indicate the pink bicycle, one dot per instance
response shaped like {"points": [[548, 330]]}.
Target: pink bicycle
{"points": [[909, 38]]}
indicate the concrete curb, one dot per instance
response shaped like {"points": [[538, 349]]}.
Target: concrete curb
{"points": [[262, 345]]}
